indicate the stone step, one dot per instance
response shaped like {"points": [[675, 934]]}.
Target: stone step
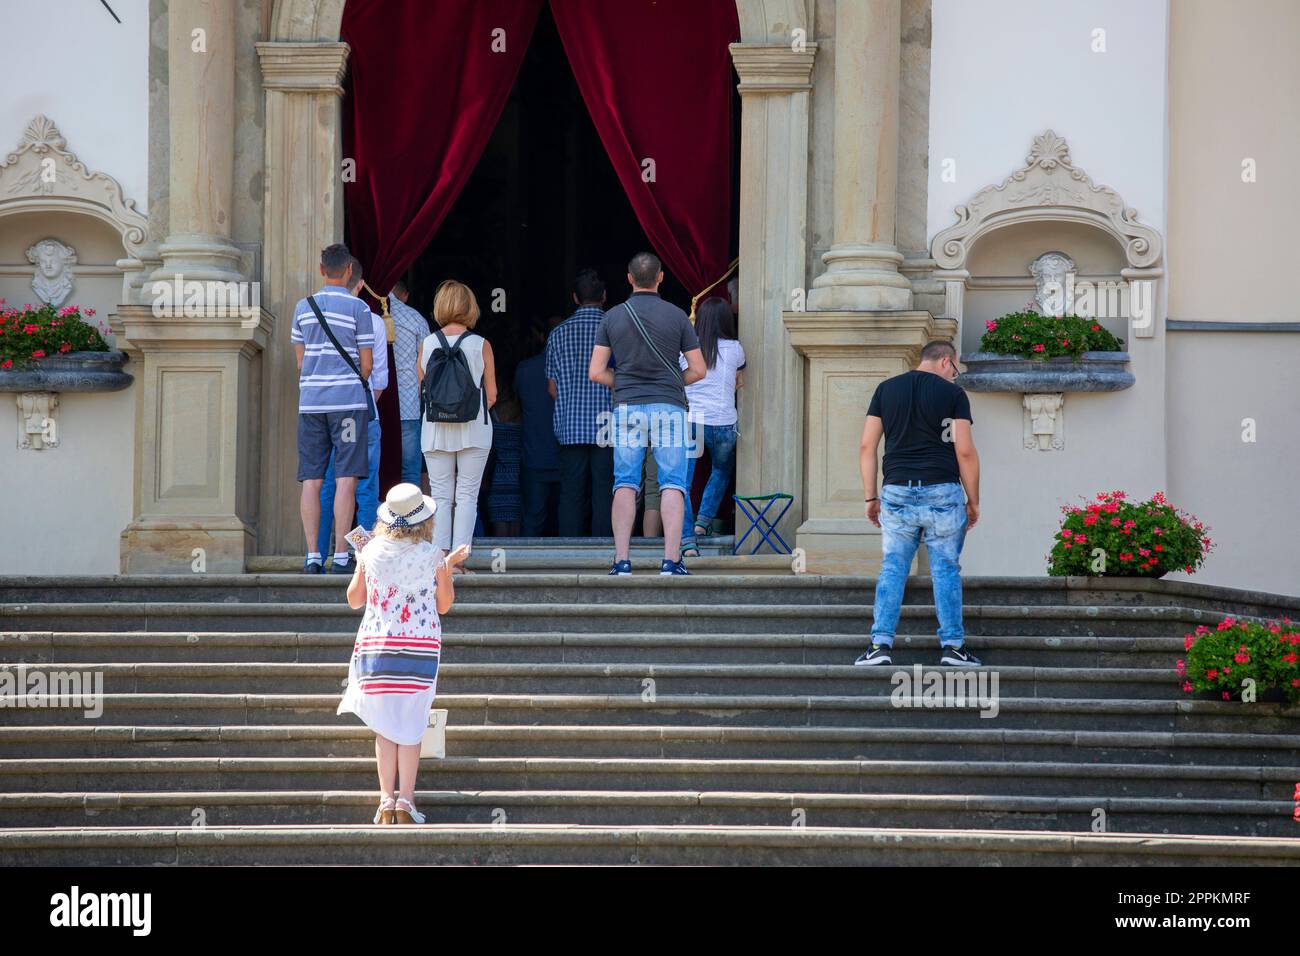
{"points": [[574, 845], [37, 647], [835, 743], [1057, 620], [576, 678], [942, 811], [486, 588], [598, 552], [688, 710], [1192, 781], [651, 588], [514, 561]]}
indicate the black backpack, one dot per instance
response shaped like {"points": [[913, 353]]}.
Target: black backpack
{"points": [[449, 394]]}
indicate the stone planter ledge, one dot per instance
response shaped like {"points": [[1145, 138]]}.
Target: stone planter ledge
{"points": [[69, 372], [1094, 372]]}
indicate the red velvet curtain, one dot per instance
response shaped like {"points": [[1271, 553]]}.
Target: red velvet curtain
{"points": [[427, 82], [656, 77], [426, 85]]}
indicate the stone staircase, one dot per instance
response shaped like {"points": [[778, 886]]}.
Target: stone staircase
{"points": [[712, 719]]}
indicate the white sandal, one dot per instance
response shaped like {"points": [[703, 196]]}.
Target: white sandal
{"points": [[406, 812], [385, 812]]}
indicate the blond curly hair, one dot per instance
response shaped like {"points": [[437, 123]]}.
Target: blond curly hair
{"points": [[411, 532]]}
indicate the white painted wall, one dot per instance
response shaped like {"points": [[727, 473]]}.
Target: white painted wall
{"points": [[1002, 71], [71, 61]]}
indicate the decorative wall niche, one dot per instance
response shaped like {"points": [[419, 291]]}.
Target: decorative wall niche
{"points": [[994, 253], [41, 175], [1055, 202]]}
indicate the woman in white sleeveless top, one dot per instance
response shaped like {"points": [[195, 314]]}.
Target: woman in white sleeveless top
{"points": [[456, 454]]}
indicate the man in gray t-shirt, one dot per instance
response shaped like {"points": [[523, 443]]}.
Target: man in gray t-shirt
{"points": [[648, 335], [641, 378]]}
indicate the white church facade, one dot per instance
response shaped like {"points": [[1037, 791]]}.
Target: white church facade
{"points": [[909, 170]]}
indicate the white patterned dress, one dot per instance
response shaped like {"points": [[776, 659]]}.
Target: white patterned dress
{"points": [[394, 670]]}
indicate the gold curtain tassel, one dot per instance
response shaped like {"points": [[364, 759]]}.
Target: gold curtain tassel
{"points": [[383, 302], [696, 298]]}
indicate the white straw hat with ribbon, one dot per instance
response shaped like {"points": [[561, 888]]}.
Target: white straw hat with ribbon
{"points": [[404, 506]]}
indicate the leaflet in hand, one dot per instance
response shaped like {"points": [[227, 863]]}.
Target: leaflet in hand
{"points": [[357, 537]]}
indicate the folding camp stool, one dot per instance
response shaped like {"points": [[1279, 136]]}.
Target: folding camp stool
{"points": [[760, 522]]}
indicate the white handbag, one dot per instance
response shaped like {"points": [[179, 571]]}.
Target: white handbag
{"points": [[434, 742]]}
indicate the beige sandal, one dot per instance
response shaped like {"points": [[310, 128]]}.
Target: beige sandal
{"points": [[406, 812], [384, 814]]}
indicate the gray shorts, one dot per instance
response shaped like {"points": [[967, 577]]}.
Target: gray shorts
{"points": [[343, 433]]}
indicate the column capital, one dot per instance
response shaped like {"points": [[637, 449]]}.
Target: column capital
{"points": [[303, 67], [773, 67]]}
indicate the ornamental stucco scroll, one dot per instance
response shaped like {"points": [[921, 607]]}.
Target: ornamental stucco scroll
{"points": [[1049, 188]]}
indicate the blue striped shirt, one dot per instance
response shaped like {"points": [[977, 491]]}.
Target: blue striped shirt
{"points": [[326, 384], [579, 400]]}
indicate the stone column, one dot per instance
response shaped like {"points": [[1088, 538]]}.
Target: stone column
{"points": [[198, 330], [862, 263], [775, 82], [303, 214], [201, 111]]}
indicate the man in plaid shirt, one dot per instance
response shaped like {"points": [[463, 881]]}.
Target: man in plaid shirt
{"points": [[586, 468]]}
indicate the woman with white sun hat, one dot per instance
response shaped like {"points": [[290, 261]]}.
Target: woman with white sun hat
{"points": [[404, 584]]}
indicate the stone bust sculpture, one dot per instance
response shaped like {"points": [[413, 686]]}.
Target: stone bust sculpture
{"points": [[52, 281], [1054, 295]]}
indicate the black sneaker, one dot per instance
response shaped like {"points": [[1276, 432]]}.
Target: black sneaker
{"points": [[621, 568], [674, 568], [345, 567], [874, 656], [960, 657], [313, 567]]}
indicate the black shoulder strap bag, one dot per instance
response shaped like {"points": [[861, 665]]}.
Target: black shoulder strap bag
{"points": [[320, 317], [456, 350], [671, 366]]}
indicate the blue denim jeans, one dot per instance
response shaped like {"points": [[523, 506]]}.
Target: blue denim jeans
{"points": [[720, 441], [661, 427], [937, 512], [367, 493], [412, 454]]}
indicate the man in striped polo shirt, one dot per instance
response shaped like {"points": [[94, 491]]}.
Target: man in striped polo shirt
{"points": [[333, 405]]}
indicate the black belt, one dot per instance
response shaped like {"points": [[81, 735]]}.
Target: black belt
{"points": [[921, 482]]}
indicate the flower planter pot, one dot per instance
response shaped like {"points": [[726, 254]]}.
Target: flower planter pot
{"points": [[1093, 372], [69, 372]]}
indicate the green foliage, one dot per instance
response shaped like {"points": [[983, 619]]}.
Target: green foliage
{"points": [[32, 334], [1222, 660], [1044, 336], [1114, 537]]}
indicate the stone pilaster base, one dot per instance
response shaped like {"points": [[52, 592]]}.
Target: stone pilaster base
{"points": [[197, 440], [840, 546], [199, 546], [847, 355]]}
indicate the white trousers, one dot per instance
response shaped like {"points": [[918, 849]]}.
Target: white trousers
{"points": [[455, 476]]}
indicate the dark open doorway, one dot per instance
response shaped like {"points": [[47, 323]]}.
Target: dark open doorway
{"points": [[543, 201]]}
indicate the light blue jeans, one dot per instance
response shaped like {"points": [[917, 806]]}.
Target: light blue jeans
{"points": [[937, 512], [412, 453], [720, 440], [367, 493]]}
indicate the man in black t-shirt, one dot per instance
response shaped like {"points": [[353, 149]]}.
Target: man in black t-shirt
{"points": [[929, 456]]}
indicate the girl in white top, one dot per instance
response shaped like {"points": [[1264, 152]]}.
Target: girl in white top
{"points": [[456, 454], [713, 414]]}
